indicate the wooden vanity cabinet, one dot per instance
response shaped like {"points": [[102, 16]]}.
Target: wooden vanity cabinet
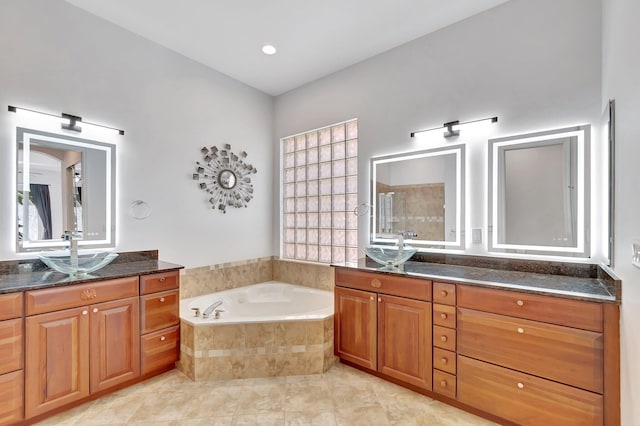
{"points": [[386, 328], [11, 358], [73, 352], [159, 321], [533, 359]]}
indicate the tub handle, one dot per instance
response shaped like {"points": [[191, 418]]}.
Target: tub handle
{"points": [[196, 312]]}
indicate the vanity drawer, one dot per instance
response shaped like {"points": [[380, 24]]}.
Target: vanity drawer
{"points": [[525, 399], [566, 355], [444, 293], [444, 315], [555, 310], [158, 310], [444, 338], [72, 296], [444, 360], [11, 397], [413, 288], [10, 345], [160, 349], [444, 383], [10, 305], [159, 282]]}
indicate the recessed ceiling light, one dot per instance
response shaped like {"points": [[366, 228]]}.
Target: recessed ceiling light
{"points": [[268, 49]]}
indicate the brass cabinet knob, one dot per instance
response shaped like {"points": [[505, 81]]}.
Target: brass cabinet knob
{"points": [[443, 315], [85, 312], [519, 303], [520, 385], [162, 279], [443, 338], [162, 338], [162, 299], [371, 298], [520, 330], [444, 360], [443, 383], [444, 293], [94, 310], [379, 299]]}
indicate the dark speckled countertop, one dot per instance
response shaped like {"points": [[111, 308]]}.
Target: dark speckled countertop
{"points": [[603, 288], [33, 276]]}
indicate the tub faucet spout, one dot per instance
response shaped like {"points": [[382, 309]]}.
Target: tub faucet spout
{"points": [[211, 308]]}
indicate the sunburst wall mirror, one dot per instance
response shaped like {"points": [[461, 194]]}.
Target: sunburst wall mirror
{"points": [[225, 176]]}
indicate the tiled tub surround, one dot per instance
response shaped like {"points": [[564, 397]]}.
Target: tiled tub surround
{"points": [[234, 351], [225, 276], [288, 331]]}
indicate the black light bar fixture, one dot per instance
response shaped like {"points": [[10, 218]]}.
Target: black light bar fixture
{"points": [[450, 132], [71, 121]]}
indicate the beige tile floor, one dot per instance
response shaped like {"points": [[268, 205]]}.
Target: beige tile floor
{"points": [[342, 396]]}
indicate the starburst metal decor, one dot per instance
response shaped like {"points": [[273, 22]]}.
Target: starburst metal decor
{"points": [[225, 176]]}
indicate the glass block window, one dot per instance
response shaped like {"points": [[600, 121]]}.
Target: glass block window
{"points": [[320, 193]]}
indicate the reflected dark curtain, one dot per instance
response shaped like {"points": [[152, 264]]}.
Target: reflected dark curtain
{"points": [[43, 204]]}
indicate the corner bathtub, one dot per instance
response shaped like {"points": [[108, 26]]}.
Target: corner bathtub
{"points": [[266, 329], [265, 302]]}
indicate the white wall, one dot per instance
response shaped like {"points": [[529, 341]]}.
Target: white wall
{"points": [[534, 64], [59, 58], [621, 71]]}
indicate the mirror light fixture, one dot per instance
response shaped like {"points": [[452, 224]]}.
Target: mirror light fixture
{"points": [[450, 131], [69, 121]]}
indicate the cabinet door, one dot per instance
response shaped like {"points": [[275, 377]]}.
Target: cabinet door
{"points": [[404, 339], [355, 326], [114, 343], [57, 359]]}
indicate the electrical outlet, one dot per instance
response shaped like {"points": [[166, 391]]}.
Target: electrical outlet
{"points": [[476, 236]]}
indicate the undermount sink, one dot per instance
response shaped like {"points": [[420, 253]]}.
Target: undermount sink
{"points": [[86, 264], [391, 258]]}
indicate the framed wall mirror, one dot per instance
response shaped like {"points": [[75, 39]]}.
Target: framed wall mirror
{"points": [[419, 192], [538, 193], [64, 183]]}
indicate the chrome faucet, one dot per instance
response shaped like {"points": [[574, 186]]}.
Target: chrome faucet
{"points": [[207, 312], [73, 237], [402, 235]]}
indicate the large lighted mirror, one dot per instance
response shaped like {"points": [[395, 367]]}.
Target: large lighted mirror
{"points": [[64, 183], [421, 194], [539, 193]]}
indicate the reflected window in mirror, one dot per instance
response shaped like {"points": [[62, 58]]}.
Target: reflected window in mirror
{"points": [[539, 193], [419, 193], [64, 183]]}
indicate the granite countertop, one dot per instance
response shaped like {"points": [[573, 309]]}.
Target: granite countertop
{"points": [[600, 289], [16, 281]]}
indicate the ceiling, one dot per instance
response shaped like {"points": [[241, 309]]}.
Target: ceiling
{"points": [[313, 39]]}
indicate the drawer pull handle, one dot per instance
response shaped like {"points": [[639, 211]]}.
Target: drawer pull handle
{"points": [[444, 293], [443, 383], [375, 283], [520, 330], [443, 316], [162, 279], [162, 338], [162, 299], [520, 385], [95, 310], [443, 338], [444, 360], [519, 303], [85, 312]]}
